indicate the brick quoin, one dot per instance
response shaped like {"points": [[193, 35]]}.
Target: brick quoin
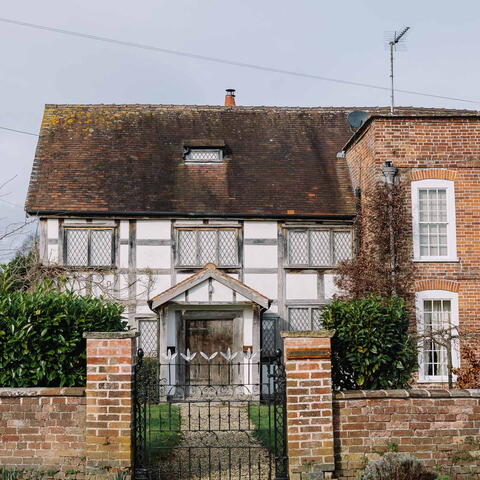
{"points": [[109, 404], [309, 404]]}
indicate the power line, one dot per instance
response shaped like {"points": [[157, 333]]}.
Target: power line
{"points": [[19, 131], [223, 61]]}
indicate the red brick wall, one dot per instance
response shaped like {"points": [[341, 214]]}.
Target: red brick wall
{"points": [[433, 147], [42, 429], [435, 426]]}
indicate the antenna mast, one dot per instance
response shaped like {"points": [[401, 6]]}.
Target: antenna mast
{"points": [[393, 43]]}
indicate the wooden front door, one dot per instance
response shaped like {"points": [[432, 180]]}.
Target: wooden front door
{"points": [[209, 336]]}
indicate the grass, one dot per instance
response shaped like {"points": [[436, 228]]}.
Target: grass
{"points": [[163, 430], [263, 418]]}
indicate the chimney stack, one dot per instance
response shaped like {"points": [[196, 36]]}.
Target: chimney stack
{"points": [[230, 97]]}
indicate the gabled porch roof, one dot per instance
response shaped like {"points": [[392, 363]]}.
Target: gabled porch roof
{"points": [[209, 271]]}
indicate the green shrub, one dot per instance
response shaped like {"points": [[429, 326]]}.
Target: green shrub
{"points": [[371, 348], [395, 466], [41, 342]]}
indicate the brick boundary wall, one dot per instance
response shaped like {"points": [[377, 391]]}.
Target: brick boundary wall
{"points": [[439, 427], [42, 429]]}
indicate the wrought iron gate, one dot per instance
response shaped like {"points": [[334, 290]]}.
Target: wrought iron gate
{"points": [[219, 416]]}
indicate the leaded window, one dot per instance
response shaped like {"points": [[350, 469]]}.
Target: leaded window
{"points": [[148, 340], [304, 318], [197, 247], [204, 155], [89, 247], [318, 248]]}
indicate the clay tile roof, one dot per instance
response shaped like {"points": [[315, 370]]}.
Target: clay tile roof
{"points": [[128, 159]]}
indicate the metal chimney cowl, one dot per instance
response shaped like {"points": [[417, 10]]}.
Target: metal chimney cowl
{"points": [[389, 172]]}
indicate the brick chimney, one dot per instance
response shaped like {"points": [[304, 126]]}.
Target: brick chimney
{"points": [[230, 97]]}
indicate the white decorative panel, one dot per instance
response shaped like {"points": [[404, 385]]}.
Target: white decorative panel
{"points": [[264, 283], [52, 228], [52, 253], [260, 256], [301, 286], [153, 256], [330, 288], [147, 286], [199, 293], [247, 326], [153, 229], [123, 287], [124, 230], [260, 230], [143, 309], [123, 256], [221, 293]]}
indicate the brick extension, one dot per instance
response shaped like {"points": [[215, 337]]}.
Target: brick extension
{"points": [[309, 404], [109, 414]]}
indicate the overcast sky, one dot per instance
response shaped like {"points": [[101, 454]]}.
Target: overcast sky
{"points": [[340, 39]]}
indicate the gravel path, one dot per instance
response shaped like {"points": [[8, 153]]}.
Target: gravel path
{"points": [[218, 444]]}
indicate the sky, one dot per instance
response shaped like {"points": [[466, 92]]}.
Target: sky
{"points": [[341, 39]]}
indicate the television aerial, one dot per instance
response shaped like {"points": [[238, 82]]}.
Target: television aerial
{"points": [[394, 42]]}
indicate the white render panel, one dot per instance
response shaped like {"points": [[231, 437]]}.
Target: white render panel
{"points": [[124, 230], [264, 283], [179, 298], [260, 256], [198, 293], [123, 256], [52, 254], [301, 286], [153, 256], [182, 276], [273, 309], [330, 288], [221, 293], [74, 221], [147, 286], [143, 309], [153, 229], [123, 287], [103, 285], [260, 230], [52, 228]]}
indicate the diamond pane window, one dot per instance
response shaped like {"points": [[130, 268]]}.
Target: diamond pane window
{"points": [[204, 155], [88, 247], [149, 337], [201, 246], [304, 318], [318, 248]]}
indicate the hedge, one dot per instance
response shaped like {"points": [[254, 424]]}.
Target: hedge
{"points": [[41, 342]]}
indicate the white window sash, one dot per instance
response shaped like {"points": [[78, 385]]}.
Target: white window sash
{"points": [[420, 298], [448, 185]]}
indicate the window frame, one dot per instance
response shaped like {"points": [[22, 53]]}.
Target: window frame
{"points": [[420, 298], [89, 229], [449, 186], [189, 151], [217, 230], [306, 306], [309, 265]]}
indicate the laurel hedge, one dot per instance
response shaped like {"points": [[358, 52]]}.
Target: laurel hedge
{"points": [[372, 348], [41, 329]]}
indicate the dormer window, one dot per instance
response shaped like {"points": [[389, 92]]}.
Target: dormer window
{"points": [[204, 155], [203, 150]]}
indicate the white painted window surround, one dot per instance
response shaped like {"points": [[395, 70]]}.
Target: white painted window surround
{"points": [[436, 311], [433, 221]]}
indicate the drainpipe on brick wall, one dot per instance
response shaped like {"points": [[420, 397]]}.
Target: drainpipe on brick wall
{"points": [[389, 172]]}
